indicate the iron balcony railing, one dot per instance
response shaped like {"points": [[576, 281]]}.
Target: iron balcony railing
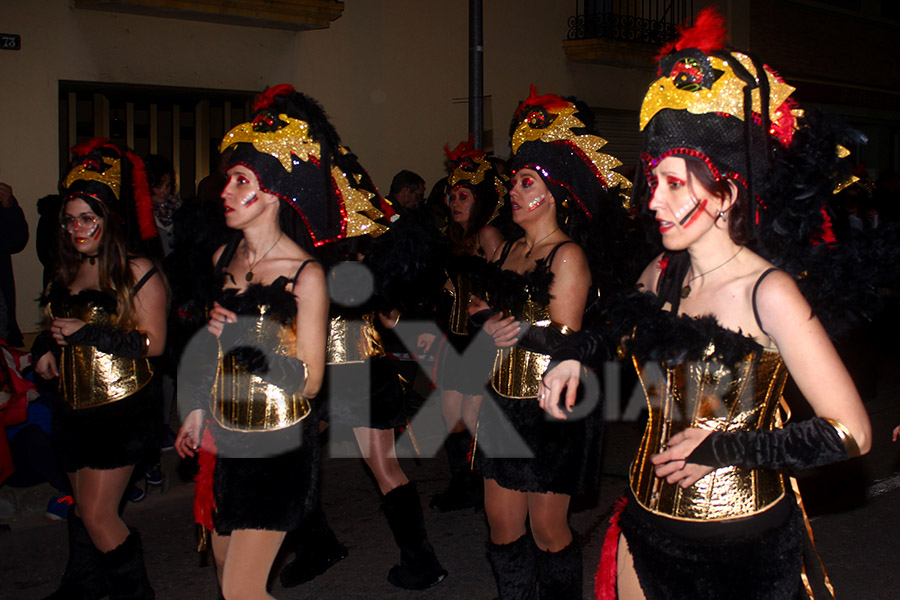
{"points": [[643, 21]]}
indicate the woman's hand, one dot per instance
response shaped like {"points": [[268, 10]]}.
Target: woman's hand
{"points": [[504, 330], [390, 319], [566, 374], [896, 433], [475, 305], [46, 366], [191, 433], [672, 463], [60, 328], [218, 316], [425, 341]]}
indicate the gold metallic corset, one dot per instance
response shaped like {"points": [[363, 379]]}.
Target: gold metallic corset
{"points": [[352, 341], [459, 315], [89, 377], [709, 395], [517, 372], [242, 401]]}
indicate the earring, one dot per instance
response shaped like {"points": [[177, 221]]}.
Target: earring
{"points": [[723, 215]]}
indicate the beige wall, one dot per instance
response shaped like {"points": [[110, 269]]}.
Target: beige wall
{"points": [[388, 72]]}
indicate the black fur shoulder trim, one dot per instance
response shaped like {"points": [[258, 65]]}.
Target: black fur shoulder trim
{"points": [[660, 335]]}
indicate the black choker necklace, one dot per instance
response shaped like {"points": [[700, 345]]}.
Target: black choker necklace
{"points": [[91, 258]]}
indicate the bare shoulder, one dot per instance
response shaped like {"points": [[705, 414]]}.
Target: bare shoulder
{"points": [[650, 275], [489, 238], [777, 291], [309, 273], [140, 267], [218, 253]]}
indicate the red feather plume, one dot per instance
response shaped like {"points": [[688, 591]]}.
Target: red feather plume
{"points": [[85, 148], [270, 94], [142, 203], [607, 569], [463, 150], [707, 35]]}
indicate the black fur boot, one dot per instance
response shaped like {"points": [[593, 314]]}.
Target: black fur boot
{"points": [[84, 578], [560, 573], [514, 568], [125, 571], [465, 489], [319, 550], [419, 568]]}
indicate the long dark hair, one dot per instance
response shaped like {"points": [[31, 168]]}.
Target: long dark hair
{"points": [[464, 240], [115, 275]]}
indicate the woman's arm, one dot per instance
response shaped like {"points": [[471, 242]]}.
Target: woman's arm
{"points": [[150, 305], [810, 357], [571, 282], [490, 239], [311, 296]]}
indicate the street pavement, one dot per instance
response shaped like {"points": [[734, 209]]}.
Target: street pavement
{"points": [[853, 508]]}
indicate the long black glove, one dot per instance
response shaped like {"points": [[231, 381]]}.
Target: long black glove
{"points": [[801, 445], [591, 347], [43, 343], [127, 344], [286, 372], [544, 340]]}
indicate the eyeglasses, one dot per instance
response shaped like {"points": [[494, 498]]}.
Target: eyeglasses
{"points": [[84, 221]]}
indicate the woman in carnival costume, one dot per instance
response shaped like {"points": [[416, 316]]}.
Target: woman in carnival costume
{"points": [[475, 192], [362, 388], [738, 178], [249, 394], [538, 294], [106, 308]]}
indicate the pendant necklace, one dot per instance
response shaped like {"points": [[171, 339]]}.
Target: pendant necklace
{"points": [[686, 289], [92, 259], [249, 276], [528, 253]]}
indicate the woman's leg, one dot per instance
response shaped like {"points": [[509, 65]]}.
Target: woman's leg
{"points": [[510, 550], [627, 584], [377, 447], [219, 544], [559, 562], [249, 555], [471, 405], [451, 409], [97, 496]]}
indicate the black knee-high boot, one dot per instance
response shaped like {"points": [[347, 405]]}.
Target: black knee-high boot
{"points": [[514, 568], [560, 574], [465, 489], [419, 568], [84, 578], [318, 550], [125, 571]]}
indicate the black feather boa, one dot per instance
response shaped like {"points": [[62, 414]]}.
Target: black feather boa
{"points": [[282, 304], [838, 276], [407, 263], [661, 335], [508, 291]]}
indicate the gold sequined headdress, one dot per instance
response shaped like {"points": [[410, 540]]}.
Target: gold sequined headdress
{"points": [[297, 155], [721, 106], [555, 137], [115, 176], [472, 169]]}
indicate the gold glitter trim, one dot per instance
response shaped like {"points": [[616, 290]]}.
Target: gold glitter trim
{"points": [[292, 139], [111, 176], [560, 130], [725, 96]]}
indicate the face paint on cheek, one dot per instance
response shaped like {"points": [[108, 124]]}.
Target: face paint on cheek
{"points": [[249, 200], [537, 202], [97, 232], [691, 217]]}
